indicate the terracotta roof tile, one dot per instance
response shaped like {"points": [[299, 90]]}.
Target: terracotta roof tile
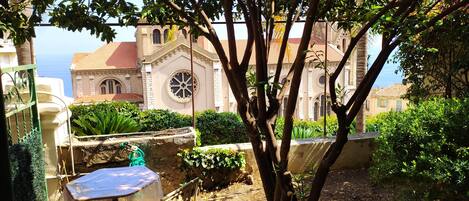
{"points": [[115, 55], [131, 97]]}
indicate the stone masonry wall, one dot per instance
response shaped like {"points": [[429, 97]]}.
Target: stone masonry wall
{"points": [[161, 148]]}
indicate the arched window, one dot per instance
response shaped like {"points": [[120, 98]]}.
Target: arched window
{"points": [[166, 35], [344, 43], [325, 105], [110, 86], [184, 33], [156, 36]]}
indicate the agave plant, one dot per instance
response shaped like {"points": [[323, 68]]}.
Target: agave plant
{"points": [[299, 132], [104, 123]]}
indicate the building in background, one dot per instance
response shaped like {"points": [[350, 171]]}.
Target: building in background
{"points": [[7, 52], [387, 99], [154, 72]]}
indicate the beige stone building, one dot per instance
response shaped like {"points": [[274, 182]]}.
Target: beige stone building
{"points": [[387, 99], [155, 72]]}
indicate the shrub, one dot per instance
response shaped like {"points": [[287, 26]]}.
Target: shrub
{"points": [[374, 123], [220, 128], [303, 128], [427, 148], [156, 120], [101, 122], [216, 167], [124, 108]]}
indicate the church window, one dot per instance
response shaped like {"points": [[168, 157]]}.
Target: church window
{"points": [[110, 86], [166, 35], [184, 33], [156, 36], [180, 86], [322, 79]]}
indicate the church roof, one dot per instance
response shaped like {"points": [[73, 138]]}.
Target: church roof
{"points": [[173, 45], [115, 55], [130, 97], [333, 54]]}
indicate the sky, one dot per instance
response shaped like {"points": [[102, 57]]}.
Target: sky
{"points": [[55, 47]]}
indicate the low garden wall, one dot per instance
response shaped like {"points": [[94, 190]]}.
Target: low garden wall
{"points": [[305, 154], [161, 148]]}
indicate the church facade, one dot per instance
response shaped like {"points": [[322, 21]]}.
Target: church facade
{"points": [[154, 72]]}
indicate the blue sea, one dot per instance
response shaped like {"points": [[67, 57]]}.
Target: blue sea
{"points": [[58, 66]]}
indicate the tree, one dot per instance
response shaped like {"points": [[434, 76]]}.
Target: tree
{"points": [[436, 62], [396, 19]]}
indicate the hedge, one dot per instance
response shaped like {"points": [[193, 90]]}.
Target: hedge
{"points": [[216, 167], [220, 128], [156, 120], [427, 148]]}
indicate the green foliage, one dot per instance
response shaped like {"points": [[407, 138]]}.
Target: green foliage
{"points": [[198, 135], [374, 123], [436, 68], [27, 168], [426, 146], [309, 129], [104, 122], [156, 120], [216, 167], [125, 109], [220, 128]]}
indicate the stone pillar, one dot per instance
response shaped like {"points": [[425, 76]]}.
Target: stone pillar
{"points": [[54, 113], [92, 85], [217, 85], [149, 99]]}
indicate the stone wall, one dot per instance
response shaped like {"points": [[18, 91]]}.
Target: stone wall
{"points": [[161, 148], [305, 154]]}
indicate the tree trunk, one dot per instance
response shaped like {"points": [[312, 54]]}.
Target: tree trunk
{"points": [[361, 71], [330, 157], [24, 53]]}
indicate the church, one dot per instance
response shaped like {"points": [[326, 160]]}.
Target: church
{"points": [[154, 72]]}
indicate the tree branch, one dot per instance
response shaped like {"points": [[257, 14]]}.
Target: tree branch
{"points": [[250, 42], [227, 5], [289, 23], [187, 18], [350, 48], [298, 66]]}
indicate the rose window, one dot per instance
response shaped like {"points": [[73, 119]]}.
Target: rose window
{"points": [[180, 86]]}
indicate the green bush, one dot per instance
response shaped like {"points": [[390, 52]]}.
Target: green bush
{"points": [[427, 148], [311, 129], [124, 108], [216, 167], [374, 123], [102, 122], [220, 128], [156, 120]]}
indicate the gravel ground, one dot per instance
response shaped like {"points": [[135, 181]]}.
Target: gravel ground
{"points": [[344, 185]]}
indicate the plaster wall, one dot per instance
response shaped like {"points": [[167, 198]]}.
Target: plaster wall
{"points": [[180, 61]]}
